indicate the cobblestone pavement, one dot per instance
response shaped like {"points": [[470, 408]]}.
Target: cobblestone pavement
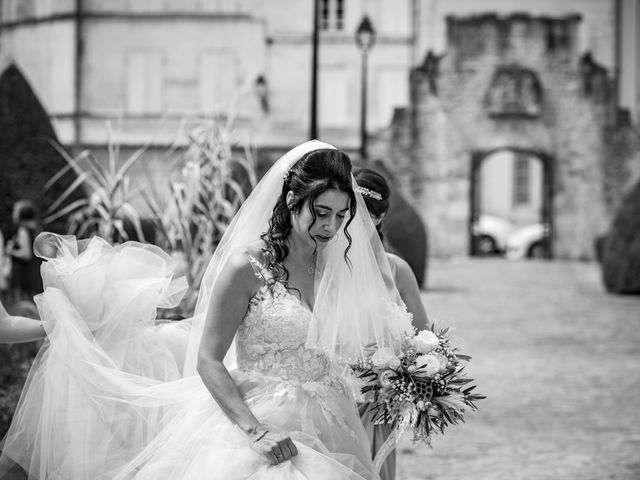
{"points": [[559, 360]]}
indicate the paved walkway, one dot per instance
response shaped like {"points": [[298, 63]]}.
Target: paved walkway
{"points": [[559, 360]]}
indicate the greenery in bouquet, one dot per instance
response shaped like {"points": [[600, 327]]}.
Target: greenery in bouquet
{"points": [[425, 387]]}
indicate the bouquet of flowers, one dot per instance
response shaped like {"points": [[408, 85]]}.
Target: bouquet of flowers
{"points": [[424, 387]]}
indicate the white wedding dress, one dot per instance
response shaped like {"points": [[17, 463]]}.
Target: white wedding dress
{"points": [[104, 399], [99, 307], [288, 387]]}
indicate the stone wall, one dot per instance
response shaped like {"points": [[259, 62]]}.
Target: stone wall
{"points": [[555, 104]]}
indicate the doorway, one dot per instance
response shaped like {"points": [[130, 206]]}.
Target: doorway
{"points": [[511, 193]]}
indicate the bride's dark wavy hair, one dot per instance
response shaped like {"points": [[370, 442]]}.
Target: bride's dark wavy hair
{"points": [[315, 173]]}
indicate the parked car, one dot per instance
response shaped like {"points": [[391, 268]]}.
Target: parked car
{"points": [[527, 242], [490, 235]]}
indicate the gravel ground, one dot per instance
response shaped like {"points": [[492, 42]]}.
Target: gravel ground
{"points": [[559, 360]]}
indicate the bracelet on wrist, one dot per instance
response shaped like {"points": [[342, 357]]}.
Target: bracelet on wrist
{"points": [[260, 436]]}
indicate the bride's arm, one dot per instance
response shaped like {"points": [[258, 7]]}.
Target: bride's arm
{"points": [[14, 329], [228, 306]]}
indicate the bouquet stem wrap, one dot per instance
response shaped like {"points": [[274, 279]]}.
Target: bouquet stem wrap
{"points": [[388, 446]]}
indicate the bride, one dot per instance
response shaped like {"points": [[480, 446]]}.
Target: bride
{"points": [[295, 290]]}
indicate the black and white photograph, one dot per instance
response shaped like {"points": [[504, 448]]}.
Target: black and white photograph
{"points": [[319, 239]]}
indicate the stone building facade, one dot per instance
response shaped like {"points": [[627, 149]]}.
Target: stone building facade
{"points": [[149, 64], [146, 65], [517, 83]]}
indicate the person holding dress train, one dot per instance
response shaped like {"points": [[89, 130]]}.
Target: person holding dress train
{"points": [[19, 329]]}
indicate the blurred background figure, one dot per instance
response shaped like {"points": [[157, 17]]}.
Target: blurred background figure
{"points": [[5, 268], [25, 271]]}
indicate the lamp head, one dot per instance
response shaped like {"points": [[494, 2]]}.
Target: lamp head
{"points": [[365, 34]]}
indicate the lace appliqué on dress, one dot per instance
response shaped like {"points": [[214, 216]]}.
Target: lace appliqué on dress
{"points": [[271, 342]]}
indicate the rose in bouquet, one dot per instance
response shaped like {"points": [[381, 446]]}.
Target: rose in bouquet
{"points": [[424, 387]]}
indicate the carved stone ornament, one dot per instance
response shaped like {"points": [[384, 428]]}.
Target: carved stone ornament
{"points": [[430, 68], [514, 91]]}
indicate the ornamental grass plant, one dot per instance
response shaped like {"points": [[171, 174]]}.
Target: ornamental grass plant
{"points": [[212, 173], [211, 180], [107, 207]]}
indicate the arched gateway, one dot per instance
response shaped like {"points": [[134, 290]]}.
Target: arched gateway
{"points": [[543, 211], [516, 84]]}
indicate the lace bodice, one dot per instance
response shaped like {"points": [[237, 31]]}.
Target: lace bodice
{"points": [[271, 339]]}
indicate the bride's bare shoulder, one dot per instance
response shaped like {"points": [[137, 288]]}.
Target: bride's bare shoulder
{"points": [[246, 261]]}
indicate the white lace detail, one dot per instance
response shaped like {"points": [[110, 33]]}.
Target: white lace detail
{"points": [[272, 337], [271, 342]]}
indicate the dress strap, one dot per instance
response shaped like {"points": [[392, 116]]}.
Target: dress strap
{"points": [[259, 270]]}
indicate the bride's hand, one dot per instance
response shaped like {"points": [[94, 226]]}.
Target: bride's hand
{"points": [[276, 447]]}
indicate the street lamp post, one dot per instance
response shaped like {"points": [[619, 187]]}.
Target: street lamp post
{"points": [[365, 38], [313, 123]]}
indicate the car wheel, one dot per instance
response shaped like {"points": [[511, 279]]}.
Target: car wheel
{"points": [[485, 245], [536, 250]]}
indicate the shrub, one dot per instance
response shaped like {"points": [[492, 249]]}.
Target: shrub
{"points": [[407, 236], [27, 158], [621, 248]]}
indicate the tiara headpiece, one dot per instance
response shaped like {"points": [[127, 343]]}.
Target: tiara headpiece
{"points": [[365, 192]]}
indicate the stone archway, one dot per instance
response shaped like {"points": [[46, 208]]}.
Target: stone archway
{"points": [[478, 158], [517, 82]]}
